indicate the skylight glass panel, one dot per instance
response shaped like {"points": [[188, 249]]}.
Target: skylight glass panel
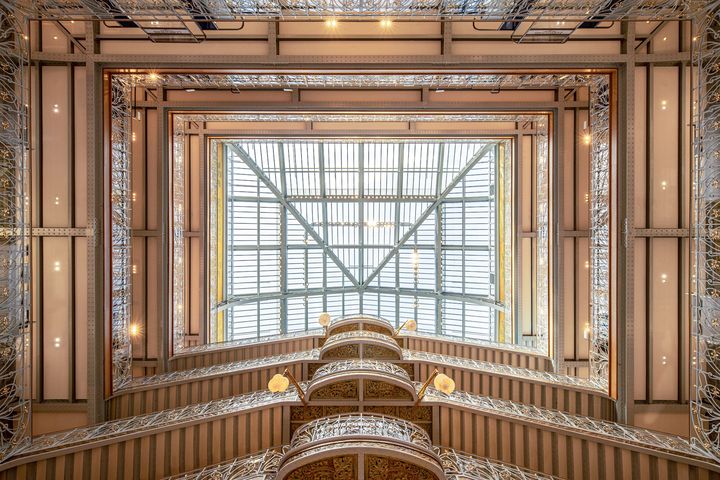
{"points": [[387, 227]]}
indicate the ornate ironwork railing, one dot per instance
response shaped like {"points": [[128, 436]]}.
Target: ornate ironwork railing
{"points": [[166, 418], [501, 369], [355, 365], [121, 257], [462, 466], [600, 266], [15, 374], [222, 369], [556, 419], [361, 425], [457, 466], [262, 466], [208, 347], [705, 406], [359, 335]]}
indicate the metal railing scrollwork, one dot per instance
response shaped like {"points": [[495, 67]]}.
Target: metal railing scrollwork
{"points": [[121, 259], [705, 404], [15, 375], [358, 424]]}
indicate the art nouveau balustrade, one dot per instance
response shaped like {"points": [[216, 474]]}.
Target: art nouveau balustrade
{"points": [[196, 435], [181, 388], [215, 354], [188, 438]]}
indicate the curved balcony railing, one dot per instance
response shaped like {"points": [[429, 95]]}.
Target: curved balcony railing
{"points": [[472, 341], [162, 419], [360, 338], [361, 365], [501, 369], [374, 324], [461, 466], [208, 347], [612, 431], [262, 466], [361, 425], [220, 369]]}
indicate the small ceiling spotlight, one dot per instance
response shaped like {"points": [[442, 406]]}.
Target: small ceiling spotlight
{"points": [[410, 325], [189, 90], [386, 23], [331, 23], [153, 76], [280, 382], [442, 383]]}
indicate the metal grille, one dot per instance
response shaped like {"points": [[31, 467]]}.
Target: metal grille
{"points": [[15, 375], [496, 10]]}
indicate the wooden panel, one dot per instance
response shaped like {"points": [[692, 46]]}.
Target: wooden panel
{"points": [[565, 454], [156, 454]]}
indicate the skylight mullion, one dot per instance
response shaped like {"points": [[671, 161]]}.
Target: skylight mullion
{"points": [[438, 240], [324, 216], [361, 217], [396, 239], [283, 240]]}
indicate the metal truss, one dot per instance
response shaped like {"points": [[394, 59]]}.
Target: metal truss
{"points": [[238, 82], [705, 406], [15, 375], [490, 10]]}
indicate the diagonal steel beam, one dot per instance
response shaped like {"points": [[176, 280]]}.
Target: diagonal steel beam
{"points": [[290, 208], [473, 161]]}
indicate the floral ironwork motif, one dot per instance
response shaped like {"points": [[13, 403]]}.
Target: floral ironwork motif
{"points": [[355, 365], [502, 369], [200, 411], [571, 422], [121, 257], [15, 375], [220, 369], [359, 424], [705, 406]]}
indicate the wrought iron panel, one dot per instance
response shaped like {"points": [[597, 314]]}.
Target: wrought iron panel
{"points": [[15, 375]]}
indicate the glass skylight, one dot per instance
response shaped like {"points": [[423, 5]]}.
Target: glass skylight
{"points": [[395, 228]]}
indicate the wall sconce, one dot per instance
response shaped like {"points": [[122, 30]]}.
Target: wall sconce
{"points": [[56, 343], [586, 332], [324, 320], [281, 381], [386, 23], [409, 325], [135, 330], [331, 23], [442, 383], [56, 266]]}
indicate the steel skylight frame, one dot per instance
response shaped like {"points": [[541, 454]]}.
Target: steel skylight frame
{"points": [[301, 194]]}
